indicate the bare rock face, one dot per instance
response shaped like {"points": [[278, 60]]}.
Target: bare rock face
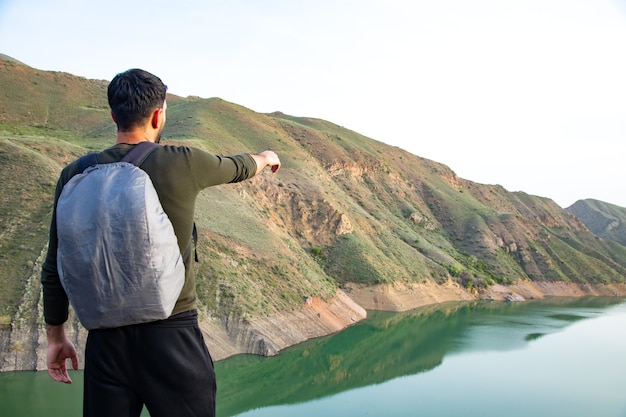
{"points": [[21, 342], [422, 220], [406, 296], [269, 335], [25, 343], [514, 298]]}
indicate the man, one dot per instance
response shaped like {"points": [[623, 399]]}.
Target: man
{"points": [[164, 364]]}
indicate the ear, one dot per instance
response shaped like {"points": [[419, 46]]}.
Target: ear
{"points": [[155, 120], [113, 117]]}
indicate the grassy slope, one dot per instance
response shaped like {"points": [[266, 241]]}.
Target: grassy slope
{"points": [[343, 208]]}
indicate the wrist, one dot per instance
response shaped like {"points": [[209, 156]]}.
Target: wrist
{"points": [[55, 334]]}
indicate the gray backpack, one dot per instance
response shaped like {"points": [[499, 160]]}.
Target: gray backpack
{"points": [[118, 257]]}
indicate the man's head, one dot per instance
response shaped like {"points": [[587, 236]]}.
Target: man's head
{"points": [[134, 95]]}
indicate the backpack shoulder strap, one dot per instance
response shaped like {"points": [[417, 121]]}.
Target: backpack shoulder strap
{"points": [[139, 153], [87, 161], [135, 156]]}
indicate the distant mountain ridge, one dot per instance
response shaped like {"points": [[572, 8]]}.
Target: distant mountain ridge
{"points": [[603, 219], [282, 257]]}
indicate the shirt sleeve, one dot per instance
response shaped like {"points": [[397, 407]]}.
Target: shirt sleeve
{"points": [[55, 301], [210, 170]]}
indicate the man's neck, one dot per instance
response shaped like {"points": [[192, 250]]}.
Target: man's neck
{"points": [[132, 137]]}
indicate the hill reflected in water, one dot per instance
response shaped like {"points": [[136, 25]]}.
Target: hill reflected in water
{"points": [[391, 345]]}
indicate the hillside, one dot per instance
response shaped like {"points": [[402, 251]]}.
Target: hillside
{"points": [[347, 222], [603, 219]]}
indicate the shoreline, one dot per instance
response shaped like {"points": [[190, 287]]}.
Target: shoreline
{"points": [[269, 335], [404, 297]]}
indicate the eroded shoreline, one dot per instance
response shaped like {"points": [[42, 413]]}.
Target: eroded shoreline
{"points": [[268, 336]]}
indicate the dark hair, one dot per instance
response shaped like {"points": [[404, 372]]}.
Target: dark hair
{"points": [[133, 96]]}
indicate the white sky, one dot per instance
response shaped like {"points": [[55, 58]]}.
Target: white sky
{"points": [[529, 94]]}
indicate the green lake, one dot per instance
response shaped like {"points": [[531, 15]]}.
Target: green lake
{"points": [[557, 357]]}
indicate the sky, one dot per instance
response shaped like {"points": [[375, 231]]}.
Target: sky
{"points": [[528, 94]]}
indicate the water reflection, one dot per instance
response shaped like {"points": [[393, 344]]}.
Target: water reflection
{"points": [[391, 345], [382, 361]]}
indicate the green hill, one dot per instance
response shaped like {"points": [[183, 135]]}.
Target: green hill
{"points": [[344, 208]]}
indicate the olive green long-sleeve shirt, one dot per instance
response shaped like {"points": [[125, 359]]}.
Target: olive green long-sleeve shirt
{"points": [[178, 173]]}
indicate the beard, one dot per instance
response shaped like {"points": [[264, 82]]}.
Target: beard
{"points": [[159, 135]]}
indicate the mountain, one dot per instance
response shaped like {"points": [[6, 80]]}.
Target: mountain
{"points": [[348, 224], [603, 219]]}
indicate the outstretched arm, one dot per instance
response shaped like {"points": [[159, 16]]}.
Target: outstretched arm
{"points": [[266, 159], [59, 350]]}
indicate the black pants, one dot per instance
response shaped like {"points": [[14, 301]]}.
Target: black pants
{"points": [[164, 365]]}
